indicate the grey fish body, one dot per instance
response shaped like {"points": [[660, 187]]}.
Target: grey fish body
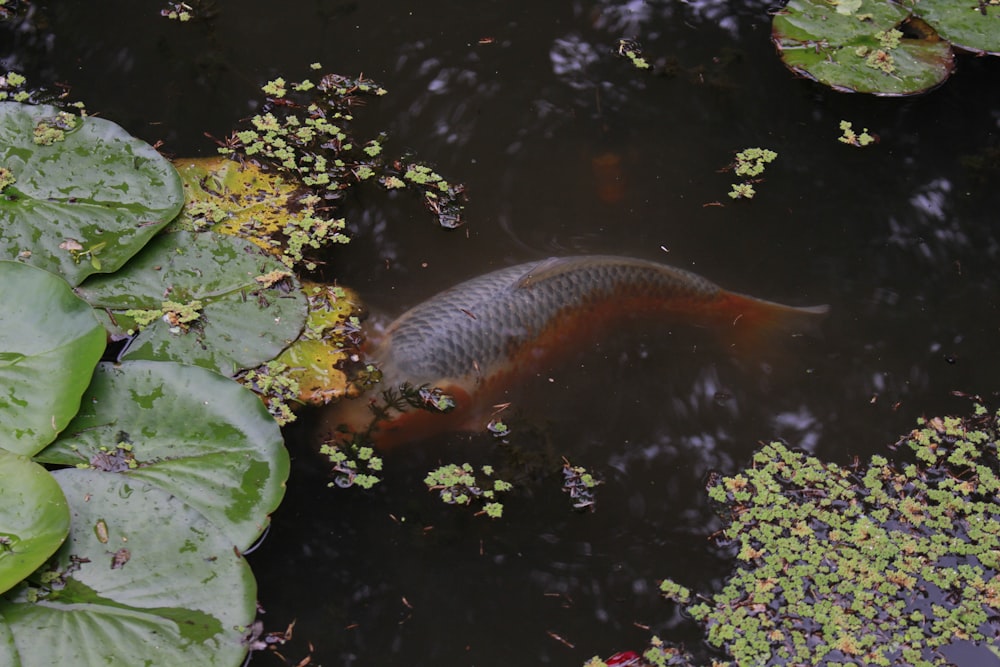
{"points": [[484, 324], [482, 337]]}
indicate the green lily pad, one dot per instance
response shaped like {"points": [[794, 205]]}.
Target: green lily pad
{"points": [[143, 579], [853, 46], [206, 299], [34, 519], [8, 649], [49, 344], [191, 432], [968, 24], [80, 196]]}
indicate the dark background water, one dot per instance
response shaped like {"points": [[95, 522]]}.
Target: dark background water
{"points": [[902, 240]]}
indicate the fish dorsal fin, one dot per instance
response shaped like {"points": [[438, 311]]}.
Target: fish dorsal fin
{"points": [[552, 268]]}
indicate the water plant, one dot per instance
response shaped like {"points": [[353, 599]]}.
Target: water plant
{"points": [[123, 483], [882, 47], [187, 11], [354, 464], [852, 138], [580, 485], [85, 190], [163, 458], [749, 164], [883, 563], [141, 500], [630, 49], [303, 132], [458, 485]]}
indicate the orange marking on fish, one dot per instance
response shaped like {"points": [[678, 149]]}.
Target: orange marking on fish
{"points": [[530, 316]]}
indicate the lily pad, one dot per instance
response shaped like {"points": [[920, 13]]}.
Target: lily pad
{"points": [[34, 518], [143, 579], [265, 207], [861, 46], [972, 26], [195, 434], [205, 299], [49, 344], [317, 359], [80, 196]]}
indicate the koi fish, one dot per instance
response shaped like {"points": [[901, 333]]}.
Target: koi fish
{"points": [[482, 337]]}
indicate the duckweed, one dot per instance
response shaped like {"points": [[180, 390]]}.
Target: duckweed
{"points": [[458, 485], [877, 563], [303, 130]]}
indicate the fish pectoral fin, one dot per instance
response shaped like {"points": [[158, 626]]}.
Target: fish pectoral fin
{"points": [[416, 424]]}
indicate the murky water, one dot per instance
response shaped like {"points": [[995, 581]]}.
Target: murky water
{"points": [[567, 149]]}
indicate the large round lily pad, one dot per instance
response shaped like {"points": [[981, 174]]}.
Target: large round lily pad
{"points": [[193, 433], [49, 344], [34, 518], [80, 195], [206, 299], [861, 46], [143, 579]]}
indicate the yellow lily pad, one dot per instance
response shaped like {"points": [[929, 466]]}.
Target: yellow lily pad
{"points": [[241, 199], [318, 359]]}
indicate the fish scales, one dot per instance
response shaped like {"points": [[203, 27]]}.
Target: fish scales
{"points": [[476, 326], [483, 338]]}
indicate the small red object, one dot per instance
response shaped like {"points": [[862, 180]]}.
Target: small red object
{"points": [[623, 659]]}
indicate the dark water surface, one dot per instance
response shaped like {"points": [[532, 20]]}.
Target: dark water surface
{"points": [[523, 101]]}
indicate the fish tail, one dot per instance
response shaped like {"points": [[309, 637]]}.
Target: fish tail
{"points": [[756, 325]]}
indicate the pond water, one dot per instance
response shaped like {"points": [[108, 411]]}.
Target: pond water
{"points": [[567, 149]]}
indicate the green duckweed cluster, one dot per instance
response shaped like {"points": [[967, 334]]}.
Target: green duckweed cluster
{"points": [[302, 130], [629, 49], [852, 138], [353, 464], [881, 58], [458, 485], [12, 87], [6, 178], [180, 316], [878, 564], [276, 386], [749, 164], [51, 130]]}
